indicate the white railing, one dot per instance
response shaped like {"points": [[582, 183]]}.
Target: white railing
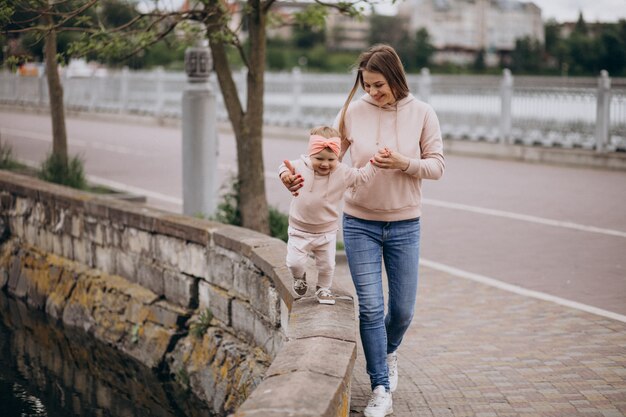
{"points": [[546, 111]]}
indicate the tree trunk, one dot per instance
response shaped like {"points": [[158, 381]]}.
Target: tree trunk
{"points": [[248, 125], [55, 92], [253, 200]]}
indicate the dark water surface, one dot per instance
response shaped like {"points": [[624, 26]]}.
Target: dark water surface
{"points": [[49, 370]]}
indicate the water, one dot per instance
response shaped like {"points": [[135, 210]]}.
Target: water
{"points": [[49, 370]]}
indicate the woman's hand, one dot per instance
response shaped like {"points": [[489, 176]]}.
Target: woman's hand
{"points": [[291, 180], [387, 159]]}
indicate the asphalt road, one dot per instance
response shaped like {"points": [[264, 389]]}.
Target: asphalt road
{"points": [[547, 231]]}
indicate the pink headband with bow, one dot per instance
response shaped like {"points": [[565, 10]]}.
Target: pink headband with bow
{"points": [[318, 143]]}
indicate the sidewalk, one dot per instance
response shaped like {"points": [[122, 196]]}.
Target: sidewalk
{"points": [[475, 350]]}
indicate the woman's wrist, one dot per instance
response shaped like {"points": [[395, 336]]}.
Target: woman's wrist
{"points": [[408, 164]]}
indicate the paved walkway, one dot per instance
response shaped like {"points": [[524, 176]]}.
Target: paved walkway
{"points": [[475, 350]]}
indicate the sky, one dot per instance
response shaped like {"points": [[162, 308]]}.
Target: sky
{"points": [[566, 10], [593, 10]]}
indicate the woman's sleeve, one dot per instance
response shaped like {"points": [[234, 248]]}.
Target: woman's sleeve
{"points": [[432, 163]]}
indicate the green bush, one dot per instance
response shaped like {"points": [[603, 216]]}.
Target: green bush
{"points": [[71, 174], [279, 222], [6, 156]]}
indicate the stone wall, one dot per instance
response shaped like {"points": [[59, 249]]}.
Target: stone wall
{"points": [[138, 278]]}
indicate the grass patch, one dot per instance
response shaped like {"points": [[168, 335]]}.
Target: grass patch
{"points": [[71, 174], [199, 328]]}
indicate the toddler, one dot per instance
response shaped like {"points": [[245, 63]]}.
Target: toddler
{"points": [[314, 210]]}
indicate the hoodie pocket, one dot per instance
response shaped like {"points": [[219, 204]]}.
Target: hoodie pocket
{"points": [[387, 191]]}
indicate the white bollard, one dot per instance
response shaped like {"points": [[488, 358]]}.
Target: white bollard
{"points": [[200, 146], [506, 97], [603, 111]]}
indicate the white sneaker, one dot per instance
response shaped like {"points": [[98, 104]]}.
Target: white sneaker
{"points": [[324, 296], [392, 365], [380, 403]]}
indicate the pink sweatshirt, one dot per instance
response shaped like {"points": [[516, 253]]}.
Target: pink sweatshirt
{"points": [[316, 208], [410, 127]]}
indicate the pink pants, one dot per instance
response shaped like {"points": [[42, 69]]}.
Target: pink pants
{"points": [[322, 245]]}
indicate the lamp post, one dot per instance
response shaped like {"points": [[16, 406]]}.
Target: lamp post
{"points": [[200, 146]]}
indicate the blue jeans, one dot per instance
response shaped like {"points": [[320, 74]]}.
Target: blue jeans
{"points": [[367, 243]]}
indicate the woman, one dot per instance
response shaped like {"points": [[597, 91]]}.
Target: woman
{"points": [[382, 218]]}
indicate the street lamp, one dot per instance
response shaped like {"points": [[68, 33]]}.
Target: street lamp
{"points": [[200, 142]]}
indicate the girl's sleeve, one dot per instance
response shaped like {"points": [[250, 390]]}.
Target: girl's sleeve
{"points": [[358, 176], [432, 163], [282, 168]]}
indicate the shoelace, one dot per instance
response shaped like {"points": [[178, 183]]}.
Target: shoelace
{"points": [[299, 284], [376, 400], [393, 366]]}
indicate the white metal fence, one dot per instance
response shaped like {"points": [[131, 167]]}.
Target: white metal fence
{"points": [[546, 111]]}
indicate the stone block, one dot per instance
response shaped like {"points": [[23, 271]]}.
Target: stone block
{"points": [[4, 277], [149, 276], [76, 226], [77, 315], [241, 240], [180, 289], [57, 244], [251, 285], [253, 328], [167, 315], [6, 201], [137, 241], [170, 251], [57, 299], [321, 355], [221, 267], [113, 236], [104, 259], [151, 346], [215, 299], [68, 247], [45, 240], [104, 395], [298, 394], [186, 228], [22, 207], [269, 257], [94, 230], [31, 233], [308, 318], [83, 252], [16, 226], [132, 215], [126, 264], [194, 261], [38, 214]]}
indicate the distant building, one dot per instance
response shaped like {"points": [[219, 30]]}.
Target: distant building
{"points": [[345, 32], [461, 28]]}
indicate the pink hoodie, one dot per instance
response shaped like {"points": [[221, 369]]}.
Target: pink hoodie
{"points": [[410, 127], [316, 208]]}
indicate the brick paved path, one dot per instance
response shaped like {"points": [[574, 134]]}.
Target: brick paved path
{"points": [[475, 350]]}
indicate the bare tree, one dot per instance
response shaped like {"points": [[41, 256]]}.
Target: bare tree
{"points": [[46, 18]]}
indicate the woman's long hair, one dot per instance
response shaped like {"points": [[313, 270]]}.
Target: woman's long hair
{"points": [[383, 60]]}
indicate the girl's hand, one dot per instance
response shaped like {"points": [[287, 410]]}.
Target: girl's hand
{"points": [[291, 180], [387, 159]]}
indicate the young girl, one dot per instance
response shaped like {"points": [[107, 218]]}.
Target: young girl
{"points": [[314, 212]]}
